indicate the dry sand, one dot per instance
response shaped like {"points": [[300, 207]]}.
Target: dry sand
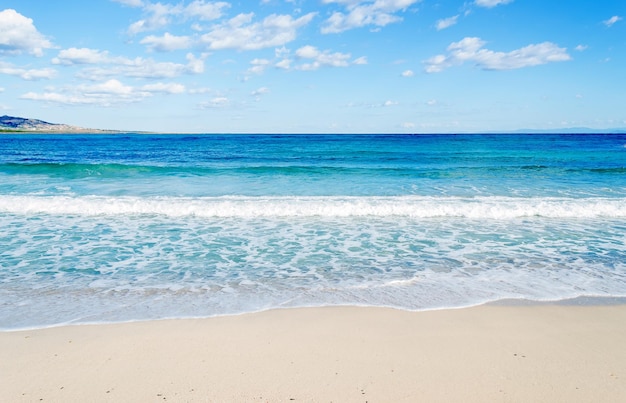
{"points": [[485, 354]]}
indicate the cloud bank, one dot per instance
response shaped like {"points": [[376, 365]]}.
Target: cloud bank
{"points": [[471, 50]]}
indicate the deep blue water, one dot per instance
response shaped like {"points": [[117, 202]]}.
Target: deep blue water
{"points": [[134, 226]]}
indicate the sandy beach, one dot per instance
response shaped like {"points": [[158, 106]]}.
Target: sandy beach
{"points": [[547, 353]]}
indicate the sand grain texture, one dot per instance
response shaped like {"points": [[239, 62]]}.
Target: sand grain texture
{"points": [[489, 353]]}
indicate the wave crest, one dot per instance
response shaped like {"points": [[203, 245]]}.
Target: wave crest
{"points": [[253, 207]]}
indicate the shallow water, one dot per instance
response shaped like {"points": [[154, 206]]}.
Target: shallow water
{"points": [[129, 227]]}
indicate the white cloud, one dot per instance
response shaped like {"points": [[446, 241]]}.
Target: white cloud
{"points": [[284, 64], [136, 68], [408, 73], [106, 93], [260, 91], [241, 33], [308, 52], [258, 66], [471, 50], [215, 103], [54, 97], [194, 65], [167, 42], [581, 48], [27, 74], [18, 35], [446, 22], [372, 105], [365, 12], [260, 62], [109, 66], [282, 52], [113, 87], [166, 88], [131, 3], [311, 58], [319, 58], [201, 90], [73, 56], [609, 23], [491, 3], [206, 11], [159, 15]]}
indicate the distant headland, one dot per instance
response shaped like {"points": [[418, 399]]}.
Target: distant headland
{"points": [[13, 124]]}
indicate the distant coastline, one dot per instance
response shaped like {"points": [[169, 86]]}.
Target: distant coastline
{"points": [[14, 124]]}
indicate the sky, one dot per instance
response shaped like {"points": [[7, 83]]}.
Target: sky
{"points": [[315, 66]]}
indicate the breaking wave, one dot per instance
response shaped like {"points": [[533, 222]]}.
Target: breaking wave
{"points": [[336, 206]]}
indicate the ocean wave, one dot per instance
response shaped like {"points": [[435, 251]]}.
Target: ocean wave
{"points": [[232, 166], [222, 167], [319, 206], [79, 170]]}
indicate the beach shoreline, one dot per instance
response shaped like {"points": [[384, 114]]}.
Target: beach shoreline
{"points": [[502, 352]]}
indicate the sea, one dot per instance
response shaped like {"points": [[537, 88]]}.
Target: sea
{"points": [[102, 228]]}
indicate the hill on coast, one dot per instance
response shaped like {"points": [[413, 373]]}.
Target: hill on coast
{"points": [[15, 124], [18, 124]]}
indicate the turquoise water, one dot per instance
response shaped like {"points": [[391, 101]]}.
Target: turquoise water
{"points": [[102, 228]]}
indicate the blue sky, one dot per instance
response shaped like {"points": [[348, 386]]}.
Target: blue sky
{"points": [[315, 66]]}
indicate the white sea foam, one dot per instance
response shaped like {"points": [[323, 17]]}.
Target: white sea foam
{"points": [[64, 268], [252, 207]]}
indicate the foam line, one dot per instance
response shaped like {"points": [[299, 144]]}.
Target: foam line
{"points": [[252, 207]]}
